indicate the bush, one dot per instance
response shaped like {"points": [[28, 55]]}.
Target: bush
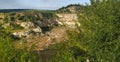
{"points": [[5, 20], [98, 37], [100, 32], [8, 52]]}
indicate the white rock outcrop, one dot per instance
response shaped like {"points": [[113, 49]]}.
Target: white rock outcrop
{"points": [[37, 30], [27, 33], [27, 24], [68, 19], [21, 34]]}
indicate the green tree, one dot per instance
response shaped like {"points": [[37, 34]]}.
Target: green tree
{"points": [[100, 30], [98, 37]]}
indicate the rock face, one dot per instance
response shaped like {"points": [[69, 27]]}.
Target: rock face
{"points": [[72, 9], [21, 34], [27, 24], [6, 25], [37, 30], [68, 19], [27, 33], [46, 22], [34, 28]]}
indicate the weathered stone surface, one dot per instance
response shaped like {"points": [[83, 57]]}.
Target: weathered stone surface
{"points": [[38, 29], [21, 34], [68, 19], [46, 22], [6, 25], [27, 24], [27, 33]]}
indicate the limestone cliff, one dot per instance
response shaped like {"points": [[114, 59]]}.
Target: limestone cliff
{"points": [[68, 19]]}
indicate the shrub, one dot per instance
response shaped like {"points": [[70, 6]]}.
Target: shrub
{"points": [[100, 32], [8, 52]]}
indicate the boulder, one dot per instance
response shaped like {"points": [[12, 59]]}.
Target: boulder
{"points": [[37, 30]]}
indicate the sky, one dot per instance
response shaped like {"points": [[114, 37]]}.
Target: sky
{"points": [[38, 4]]}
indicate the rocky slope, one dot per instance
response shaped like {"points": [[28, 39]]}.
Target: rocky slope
{"points": [[40, 29], [55, 35]]}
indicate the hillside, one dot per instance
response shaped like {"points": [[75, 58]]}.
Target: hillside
{"points": [[30, 30], [27, 26], [37, 30], [73, 8], [75, 33]]}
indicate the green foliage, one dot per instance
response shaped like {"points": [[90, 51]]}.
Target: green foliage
{"points": [[20, 17], [48, 15], [16, 27], [100, 32], [5, 20], [64, 54], [13, 26], [8, 53], [68, 8], [12, 13], [96, 40], [12, 18], [1, 28], [70, 51], [98, 37]]}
